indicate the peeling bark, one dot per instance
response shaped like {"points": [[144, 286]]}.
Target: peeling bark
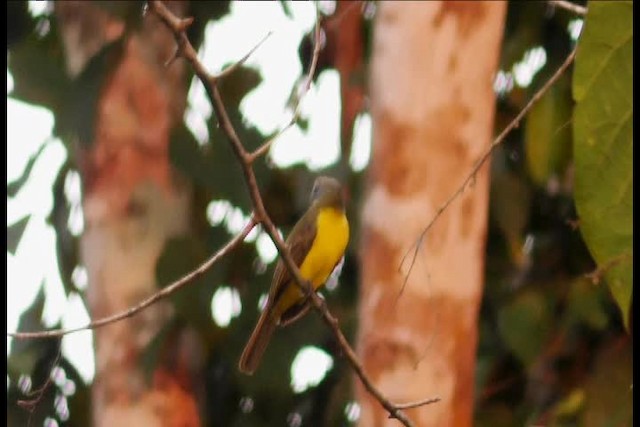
{"points": [[433, 106]]}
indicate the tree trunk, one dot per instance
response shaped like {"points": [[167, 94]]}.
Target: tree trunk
{"points": [[132, 204], [432, 105]]}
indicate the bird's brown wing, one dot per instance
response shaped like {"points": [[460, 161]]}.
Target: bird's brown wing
{"points": [[299, 243]]}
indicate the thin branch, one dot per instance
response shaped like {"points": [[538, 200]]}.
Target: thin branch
{"points": [[230, 69], [260, 151], [470, 179], [571, 7], [260, 212], [418, 403], [163, 293], [596, 275], [36, 396]]}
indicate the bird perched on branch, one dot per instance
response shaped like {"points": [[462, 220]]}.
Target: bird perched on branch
{"points": [[316, 244]]}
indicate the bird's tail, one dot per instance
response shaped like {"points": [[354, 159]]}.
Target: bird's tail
{"points": [[258, 342]]}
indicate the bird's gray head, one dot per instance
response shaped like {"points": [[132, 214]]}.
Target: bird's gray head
{"points": [[327, 191]]}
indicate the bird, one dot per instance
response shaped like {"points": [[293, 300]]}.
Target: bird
{"points": [[317, 244]]}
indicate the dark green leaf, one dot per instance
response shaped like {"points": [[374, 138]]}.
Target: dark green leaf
{"points": [[203, 12], [510, 203], [14, 186], [14, 234], [85, 92], [188, 157], [286, 9], [237, 85], [25, 353], [603, 146], [520, 37], [525, 325], [193, 301], [38, 69], [585, 304], [19, 22], [66, 243], [548, 133]]}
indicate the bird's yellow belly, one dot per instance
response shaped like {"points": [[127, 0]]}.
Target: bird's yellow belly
{"points": [[326, 251], [328, 247]]}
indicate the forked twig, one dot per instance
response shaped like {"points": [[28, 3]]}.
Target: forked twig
{"points": [[260, 151]]}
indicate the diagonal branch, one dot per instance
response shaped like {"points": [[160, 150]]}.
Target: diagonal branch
{"points": [[487, 154], [230, 69], [260, 212], [163, 293]]}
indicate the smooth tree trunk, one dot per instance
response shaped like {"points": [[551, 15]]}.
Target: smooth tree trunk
{"points": [[432, 105], [132, 204]]}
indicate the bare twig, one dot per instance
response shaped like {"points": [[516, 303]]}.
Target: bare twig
{"points": [[418, 403], [571, 7], [470, 179], [230, 69], [260, 151], [163, 293], [245, 158], [35, 396], [596, 275]]}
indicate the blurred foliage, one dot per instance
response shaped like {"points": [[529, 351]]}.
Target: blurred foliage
{"points": [[548, 133], [14, 233], [66, 242], [34, 394], [552, 349], [544, 324]]}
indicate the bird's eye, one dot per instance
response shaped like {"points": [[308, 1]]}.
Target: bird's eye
{"points": [[315, 192]]}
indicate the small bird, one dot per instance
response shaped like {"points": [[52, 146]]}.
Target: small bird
{"points": [[317, 244]]}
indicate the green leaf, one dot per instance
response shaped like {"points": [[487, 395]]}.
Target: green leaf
{"points": [[203, 12], [85, 91], [38, 69], [510, 203], [525, 324], [238, 84], [67, 250], [188, 157], [548, 134], [19, 22], [193, 301], [14, 234], [585, 304], [522, 30], [25, 353], [286, 9], [14, 186], [603, 147]]}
